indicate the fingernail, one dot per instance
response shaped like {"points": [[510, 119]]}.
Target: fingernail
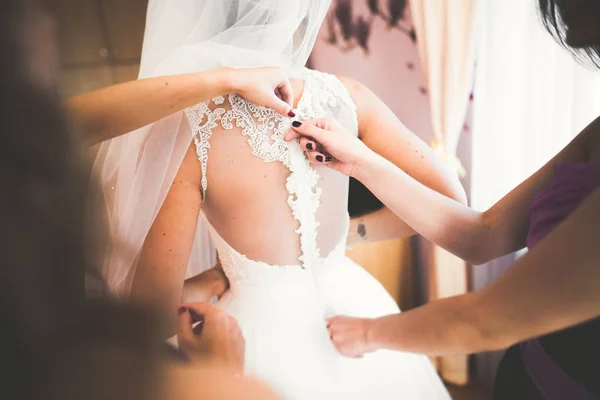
{"points": [[309, 146], [328, 159], [181, 310], [195, 316], [296, 124], [291, 114], [198, 328], [320, 158]]}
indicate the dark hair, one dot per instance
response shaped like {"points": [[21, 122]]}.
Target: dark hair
{"points": [[54, 342], [552, 15]]}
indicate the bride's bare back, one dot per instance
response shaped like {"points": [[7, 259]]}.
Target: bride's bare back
{"points": [[257, 197], [262, 197], [259, 193]]}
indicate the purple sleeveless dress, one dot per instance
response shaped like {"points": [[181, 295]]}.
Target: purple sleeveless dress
{"points": [[555, 364]]}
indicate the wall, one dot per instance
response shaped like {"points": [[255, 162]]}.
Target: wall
{"points": [[390, 68], [100, 42]]}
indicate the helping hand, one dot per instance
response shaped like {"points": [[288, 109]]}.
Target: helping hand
{"points": [[206, 285], [350, 335], [216, 339], [326, 142], [268, 87]]}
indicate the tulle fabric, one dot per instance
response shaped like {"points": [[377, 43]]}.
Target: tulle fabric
{"points": [[281, 313], [182, 36]]}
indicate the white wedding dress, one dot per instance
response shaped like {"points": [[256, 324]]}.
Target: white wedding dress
{"points": [[297, 219]]}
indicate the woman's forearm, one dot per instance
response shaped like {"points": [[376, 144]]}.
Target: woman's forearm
{"points": [[118, 109], [377, 226], [552, 287], [446, 222], [444, 327]]}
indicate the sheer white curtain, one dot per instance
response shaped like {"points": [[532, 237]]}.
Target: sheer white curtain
{"points": [[446, 39], [531, 99]]}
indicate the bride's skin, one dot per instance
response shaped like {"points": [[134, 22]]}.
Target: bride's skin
{"points": [[552, 287], [116, 110], [161, 271]]}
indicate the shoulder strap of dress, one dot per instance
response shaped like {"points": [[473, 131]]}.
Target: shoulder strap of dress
{"points": [[202, 120], [264, 127], [325, 93]]}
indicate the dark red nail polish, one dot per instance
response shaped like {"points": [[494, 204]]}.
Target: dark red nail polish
{"points": [[181, 310], [309, 146], [296, 124], [328, 159], [319, 158], [291, 114]]}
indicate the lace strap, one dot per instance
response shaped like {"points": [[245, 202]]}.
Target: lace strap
{"points": [[202, 120], [264, 127], [325, 93]]}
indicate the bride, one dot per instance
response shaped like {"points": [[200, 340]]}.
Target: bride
{"points": [[220, 174]]}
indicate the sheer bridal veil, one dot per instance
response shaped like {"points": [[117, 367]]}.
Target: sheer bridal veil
{"points": [[183, 36]]}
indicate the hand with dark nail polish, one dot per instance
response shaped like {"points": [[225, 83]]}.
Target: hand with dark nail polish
{"points": [[333, 146]]}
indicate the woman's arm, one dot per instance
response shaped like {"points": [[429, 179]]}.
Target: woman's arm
{"points": [[119, 109], [163, 262], [474, 236], [382, 132], [552, 287]]}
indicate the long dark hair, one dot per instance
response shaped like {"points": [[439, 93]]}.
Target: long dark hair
{"points": [[54, 342], [552, 15]]}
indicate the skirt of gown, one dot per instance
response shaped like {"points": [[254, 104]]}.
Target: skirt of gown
{"points": [[288, 347]]}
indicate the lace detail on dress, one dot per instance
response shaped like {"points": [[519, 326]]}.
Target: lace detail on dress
{"points": [[323, 94], [304, 200], [203, 120], [264, 127], [255, 122]]}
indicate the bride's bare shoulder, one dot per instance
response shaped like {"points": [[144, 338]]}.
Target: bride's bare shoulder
{"points": [[360, 93], [368, 104], [352, 84]]}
